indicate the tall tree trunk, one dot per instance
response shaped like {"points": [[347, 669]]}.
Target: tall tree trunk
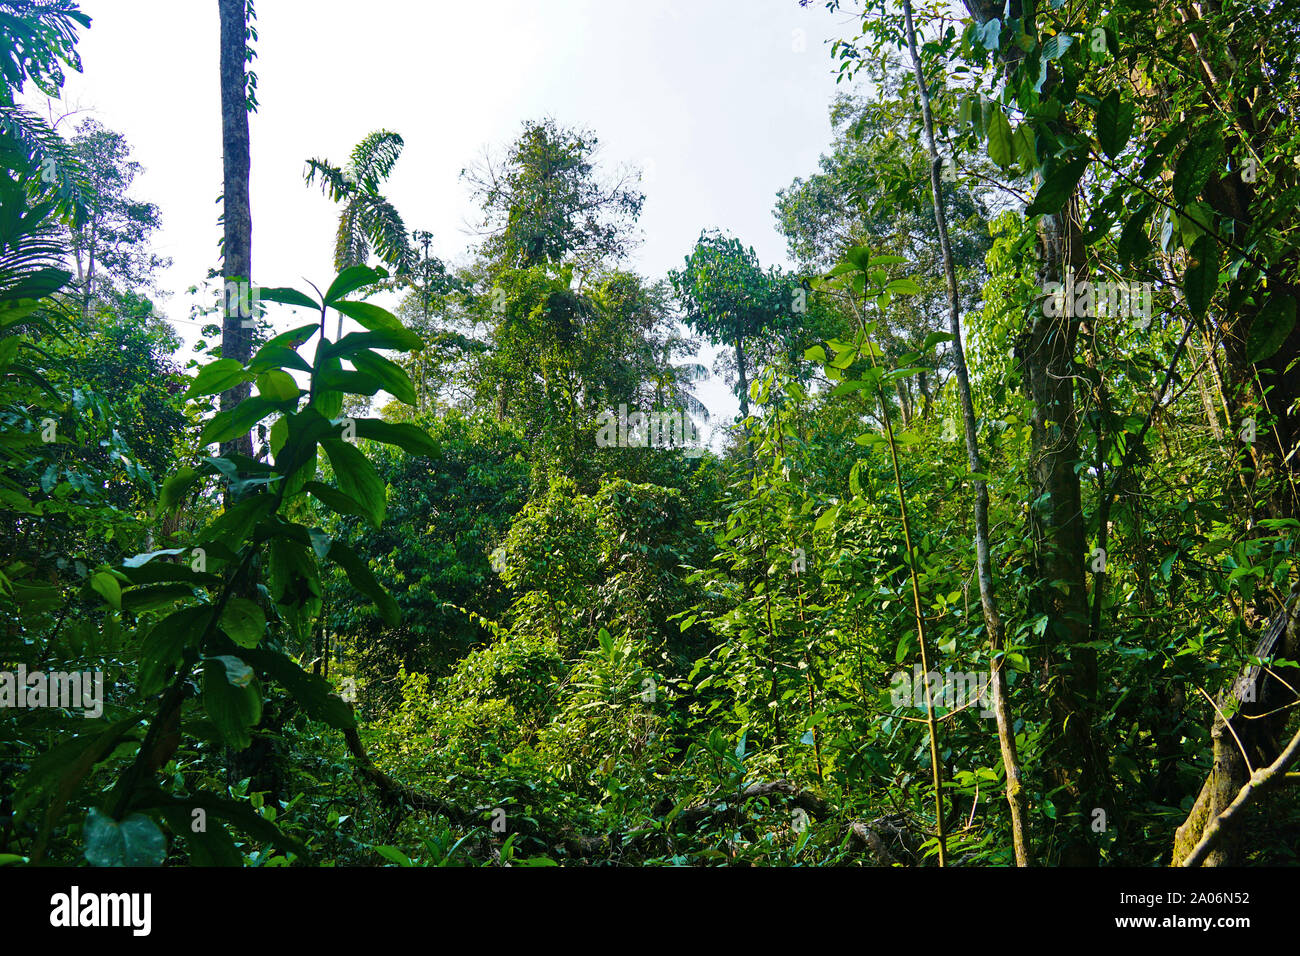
{"points": [[237, 265], [1060, 543], [1056, 511]]}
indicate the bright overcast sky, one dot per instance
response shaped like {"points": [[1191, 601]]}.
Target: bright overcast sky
{"points": [[722, 102]]}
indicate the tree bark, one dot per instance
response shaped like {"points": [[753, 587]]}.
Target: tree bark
{"points": [[237, 216]]}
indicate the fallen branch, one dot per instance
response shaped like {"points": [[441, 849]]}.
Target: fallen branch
{"points": [[1274, 773], [397, 794]]}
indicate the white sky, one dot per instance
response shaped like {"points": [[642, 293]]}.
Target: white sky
{"points": [[722, 102]]}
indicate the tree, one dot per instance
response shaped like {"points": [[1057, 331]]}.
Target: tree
{"points": [[236, 215], [732, 301], [544, 204], [110, 245]]}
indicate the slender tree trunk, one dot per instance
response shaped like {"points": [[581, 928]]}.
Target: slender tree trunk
{"points": [[236, 339], [1016, 798], [744, 380]]}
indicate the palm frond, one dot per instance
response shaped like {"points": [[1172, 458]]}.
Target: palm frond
{"points": [[383, 227], [694, 406], [692, 372], [31, 252], [351, 247], [374, 157], [45, 31], [332, 181], [47, 164]]}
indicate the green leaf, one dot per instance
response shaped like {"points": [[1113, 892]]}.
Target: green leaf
{"points": [[351, 279], [233, 709], [1114, 124], [107, 587], [277, 386], [1001, 145], [357, 478], [315, 694], [394, 855], [233, 526], [990, 34], [1134, 243], [845, 388], [933, 339], [165, 645], [389, 374], [136, 841], [375, 319], [353, 342], [243, 622], [237, 421], [334, 499], [1202, 277], [174, 489], [1271, 327], [410, 438], [344, 380], [1195, 165], [1058, 186], [290, 340], [217, 377], [155, 597], [365, 582], [1056, 46], [1023, 141], [288, 296]]}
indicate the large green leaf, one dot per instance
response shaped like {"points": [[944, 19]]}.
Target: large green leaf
{"points": [[1134, 243], [1002, 149], [243, 622], [1057, 187], [315, 694], [278, 386], [410, 438], [1114, 123], [334, 499], [357, 478], [351, 279], [391, 375], [237, 421], [1202, 277], [365, 582], [344, 380], [1195, 166], [217, 377], [1271, 327], [233, 708], [136, 841], [232, 527], [353, 342], [376, 319], [288, 297], [165, 645]]}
